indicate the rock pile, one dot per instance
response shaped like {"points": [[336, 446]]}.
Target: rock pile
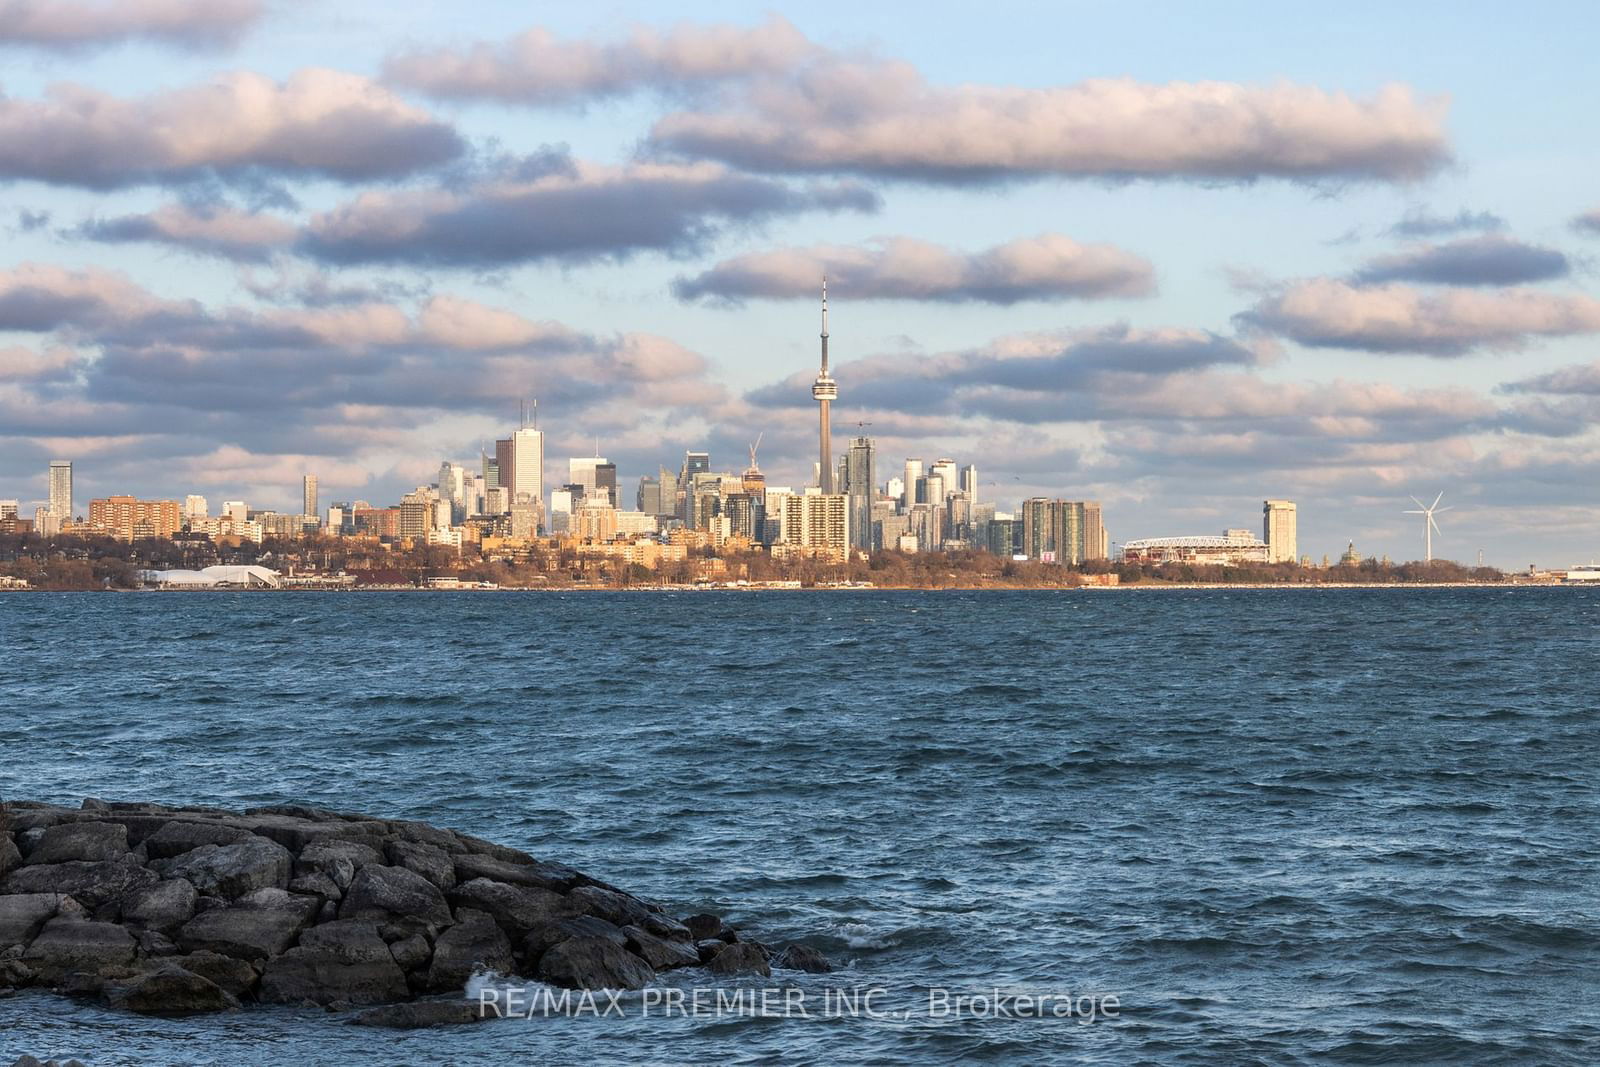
{"points": [[177, 911]]}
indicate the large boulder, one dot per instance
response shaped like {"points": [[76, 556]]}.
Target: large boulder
{"points": [[231, 871], [234, 976], [178, 836], [742, 958], [430, 861], [10, 855], [547, 935], [802, 958], [593, 963], [93, 885], [344, 960], [71, 945], [170, 990], [659, 952], [610, 905], [22, 915], [474, 943], [339, 860], [383, 891], [518, 908], [249, 930], [164, 906], [551, 876], [87, 842]]}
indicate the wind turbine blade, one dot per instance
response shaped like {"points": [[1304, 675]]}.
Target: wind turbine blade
{"points": [[1441, 511], [1435, 526], [1437, 499], [1418, 503]]}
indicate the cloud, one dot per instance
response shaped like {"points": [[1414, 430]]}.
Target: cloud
{"points": [[20, 364], [535, 67], [70, 25], [318, 123], [206, 229], [1582, 379], [1418, 223], [882, 119], [1048, 267], [42, 297], [1326, 313], [577, 213], [1489, 260], [1588, 222]]}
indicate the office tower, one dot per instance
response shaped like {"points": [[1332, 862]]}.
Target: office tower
{"points": [[339, 518], [694, 463], [912, 479], [453, 480], [969, 482], [491, 468], [235, 511], [861, 487], [581, 471], [648, 497], [563, 502], [1279, 529], [527, 469], [744, 514], [503, 463], [949, 478], [194, 508], [496, 500], [61, 489], [605, 481], [825, 391], [308, 495]]}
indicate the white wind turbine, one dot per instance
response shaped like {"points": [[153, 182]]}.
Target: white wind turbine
{"points": [[1428, 511]]}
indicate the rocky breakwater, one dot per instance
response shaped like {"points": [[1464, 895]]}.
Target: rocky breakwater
{"points": [[177, 911]]}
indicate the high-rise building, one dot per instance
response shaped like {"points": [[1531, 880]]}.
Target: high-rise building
{"points": [[194, 507], [912, 479], [825, 391], [969, 482], [861, 487], [61, 489], [1279, 529], [648, 497], [235, 511], [416, 513], [8, 509], [1062, 531], [817, 522], [581, 471], [949, 477], [128, 519], [694, 463], [308, 495], [491, 469]]}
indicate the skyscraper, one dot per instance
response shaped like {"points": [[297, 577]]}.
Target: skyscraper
{"points": [[527, 465], [61, 489], [1062, 531], [969, 482], [913, 476], [825, 391], [1279, 529], [308, 495], [860, 486]]}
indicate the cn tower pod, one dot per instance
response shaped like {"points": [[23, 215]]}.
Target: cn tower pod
{"points": [[824, 388]]}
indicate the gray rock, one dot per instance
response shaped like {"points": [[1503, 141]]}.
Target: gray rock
{"points": [[704, 926], [666, 926], [92, 884], [163, 906], [342, 961], [234, 976], [10, 856], [741, 958], [66, 946], [87, 842], [430, 861], [549, 876], [170, 990], [803, 958], [612, 906], [424, 834], [380, 891], [94, 804], [14, 974], [547, 935], [411, 953], [246, 931], [233, 870], [659, 952], [420, 1015], [295, 832], [317, 883], [518, 908], [22, 915], [154, 943], [178, 836], [339, 860], [474, 943], [709, 948], [593, 963]]}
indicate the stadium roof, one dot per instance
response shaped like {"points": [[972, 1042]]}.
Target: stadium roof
{"points": [[244, 577], [1198, 541]]}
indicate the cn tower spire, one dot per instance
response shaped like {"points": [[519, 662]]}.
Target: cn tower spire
{"points": [[825, 391]]}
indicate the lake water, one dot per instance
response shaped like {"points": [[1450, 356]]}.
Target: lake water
{"points": [[1337, 826]]}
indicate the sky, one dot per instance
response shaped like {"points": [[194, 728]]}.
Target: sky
{"points": [[1177, 258]]}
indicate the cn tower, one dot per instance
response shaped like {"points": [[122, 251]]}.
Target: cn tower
{"points": [[825, 391]]}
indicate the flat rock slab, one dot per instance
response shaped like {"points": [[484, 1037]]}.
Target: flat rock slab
{"points": [[594, 963], [69, 945], [91, 884], [246, 931], [344, 960], [382, 891], [170, 990], [231, 871], [85, 841]]}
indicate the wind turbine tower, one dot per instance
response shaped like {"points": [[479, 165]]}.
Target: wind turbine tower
{"points": [[1428, 511]]}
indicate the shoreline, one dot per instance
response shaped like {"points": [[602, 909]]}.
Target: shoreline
{"points": [[1087, 588]]}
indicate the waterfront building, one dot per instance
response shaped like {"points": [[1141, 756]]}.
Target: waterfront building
{"points": [[860, 485], [1279, 529], [61, 490], [128, 519], [816, 523]]}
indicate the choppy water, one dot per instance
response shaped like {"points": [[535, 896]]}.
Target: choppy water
{"points": [[1342, 826]]}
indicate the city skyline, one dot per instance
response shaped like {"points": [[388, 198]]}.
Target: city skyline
{"points": [[1371, 280]]}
